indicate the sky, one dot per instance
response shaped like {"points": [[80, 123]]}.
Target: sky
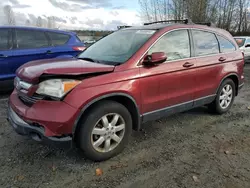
{"points": [[74, 14]]}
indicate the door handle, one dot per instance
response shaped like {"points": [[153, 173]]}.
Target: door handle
{"points": [[222, 59], [2, 55], [187, 64], [49, 52]]}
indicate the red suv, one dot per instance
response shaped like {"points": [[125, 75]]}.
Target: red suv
{"points": [[129, 77]]}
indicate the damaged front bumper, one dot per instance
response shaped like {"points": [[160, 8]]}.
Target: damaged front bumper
{"points": [[37, 133]]}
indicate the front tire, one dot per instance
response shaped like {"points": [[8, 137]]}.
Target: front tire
{"points": [[225, 97], [104, 131]]}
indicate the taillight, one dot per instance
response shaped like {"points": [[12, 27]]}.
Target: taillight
{"points": [[79, 48]]}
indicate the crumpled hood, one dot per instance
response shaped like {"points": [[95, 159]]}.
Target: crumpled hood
{"points": [[30, 72]]}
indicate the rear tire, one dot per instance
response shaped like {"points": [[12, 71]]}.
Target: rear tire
{"points": [[104, 131], [225, 97]]}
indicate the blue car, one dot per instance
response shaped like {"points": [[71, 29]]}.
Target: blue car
{"points": [[19, 45]]}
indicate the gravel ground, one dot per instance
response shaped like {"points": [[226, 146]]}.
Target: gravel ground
{"points": [[187, 150]]}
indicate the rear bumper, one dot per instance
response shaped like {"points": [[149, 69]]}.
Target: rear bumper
{"points": [[37, 133]]}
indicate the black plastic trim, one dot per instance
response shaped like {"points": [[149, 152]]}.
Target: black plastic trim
{"points": [[157, 114], [191, 41], [151, 116]]}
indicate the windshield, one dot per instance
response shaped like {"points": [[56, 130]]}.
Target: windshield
{"points": [[240, 41], [117, 47]]}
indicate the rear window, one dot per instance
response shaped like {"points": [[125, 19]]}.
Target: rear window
{"points": [[31, 39], [4, 39], [58, 38], [240, 41]]}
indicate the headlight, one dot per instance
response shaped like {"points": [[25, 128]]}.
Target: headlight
{"points": [[56, 87]]}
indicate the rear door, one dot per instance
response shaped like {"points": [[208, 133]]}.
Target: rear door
{"points": [[233, 55], [209, 65], [6, 54], [30, 45]]}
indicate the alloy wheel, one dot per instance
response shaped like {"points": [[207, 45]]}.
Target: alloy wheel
{"points": [[226, 96], [108, 132]]}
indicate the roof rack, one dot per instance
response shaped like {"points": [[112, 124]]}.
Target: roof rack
{"points": [[185, 21], [210, 24], [123, 26]]}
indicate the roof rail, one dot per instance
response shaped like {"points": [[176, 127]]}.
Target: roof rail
{"points": [[123, 26], [210, 24], [185, 21]]}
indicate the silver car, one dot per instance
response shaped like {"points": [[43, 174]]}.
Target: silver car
{"points": [[244, 44]]}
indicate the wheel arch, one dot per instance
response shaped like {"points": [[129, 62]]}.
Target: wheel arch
{"points": [[123, 98], [235, 78]]}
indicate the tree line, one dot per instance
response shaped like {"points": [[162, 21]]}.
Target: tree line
{"points": [[48, 22], [232, 15]]}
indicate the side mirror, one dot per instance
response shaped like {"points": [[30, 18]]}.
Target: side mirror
{"points": [[247, 45], [155, 58]]}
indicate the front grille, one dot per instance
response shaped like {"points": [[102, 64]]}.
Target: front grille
{"points": [[22, 90], [27, 99]]}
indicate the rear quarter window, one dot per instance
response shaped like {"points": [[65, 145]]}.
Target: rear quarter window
{"points": [[58, 38], [225, 45]]}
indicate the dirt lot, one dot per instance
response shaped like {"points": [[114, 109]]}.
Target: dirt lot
{"points": [[191, 149]]}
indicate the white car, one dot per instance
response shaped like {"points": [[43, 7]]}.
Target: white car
{"points": [[90, 41], [244, 44]]}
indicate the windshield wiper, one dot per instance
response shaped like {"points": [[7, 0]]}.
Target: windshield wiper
{"points": [[100, 62], [117, 64], [89, 59]]}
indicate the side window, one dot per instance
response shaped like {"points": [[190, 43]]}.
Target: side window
{"points": [[175, 44], [31, 39], [58, 38], [5, 39], [205, 43], [225, 45]]}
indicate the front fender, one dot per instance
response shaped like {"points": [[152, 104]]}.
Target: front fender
{"points": [[108, 96]]}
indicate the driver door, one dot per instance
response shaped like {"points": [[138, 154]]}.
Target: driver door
{"points": [[169, 87]]}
